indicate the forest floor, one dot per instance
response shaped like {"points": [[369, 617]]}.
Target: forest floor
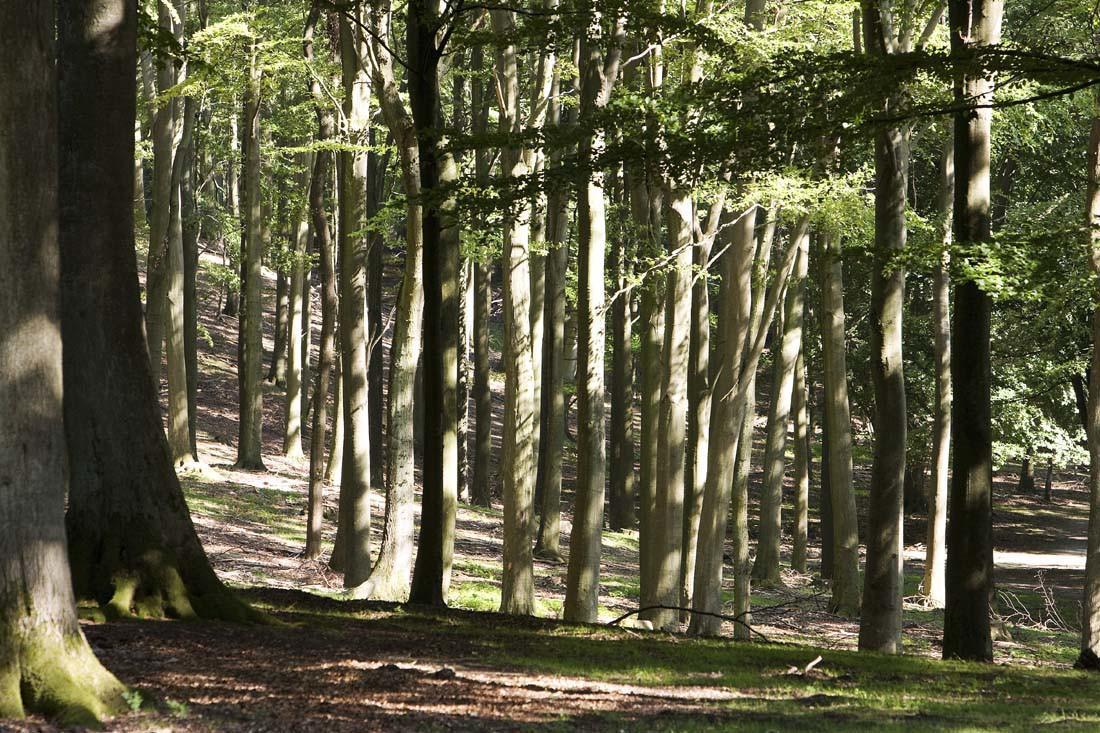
{"points": [[366, 666]]}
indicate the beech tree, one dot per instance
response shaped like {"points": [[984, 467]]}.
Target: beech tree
{"points": [[46, 665]]}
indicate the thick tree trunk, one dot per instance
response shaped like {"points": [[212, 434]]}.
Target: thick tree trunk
{"points": [[935, 551], [132, 544], [883, 578], [520, 419], [583, 577], [46, 665], [355, 510], [766, 565], [250, 330], [389, 580], [969, 578], [845, 597], [664, 579], [233, 193], [726, 430], [431, 574], [191, 228]]}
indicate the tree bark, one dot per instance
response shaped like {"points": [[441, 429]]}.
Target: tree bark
{"points": [[520, 419], [250, 329], [883, 578], [297, 343], [672, 431], [845, 589], [800, 410], [132, 545], [355, 509], [323, 233], [164, 154], [932, 586], [969, 578], [583, 575], [431, 574], [389, 579], [766, 565], [1089, 657], [726, 430], [46, 665]]}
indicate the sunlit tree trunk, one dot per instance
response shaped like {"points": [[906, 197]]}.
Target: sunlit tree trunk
{"points": [[726, 429], [297, 346], [389, 579], [801, 416], [583, 576], [323, 233], [766, 565], [519, 451], [935, 551], [355, 511]]}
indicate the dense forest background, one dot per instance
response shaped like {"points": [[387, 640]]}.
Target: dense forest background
{"points": [[765, 320]]}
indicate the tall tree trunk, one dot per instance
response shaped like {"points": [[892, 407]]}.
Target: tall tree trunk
{"points": [[376, 177], [191, 227], [355, 510], [699, 408], [164, 154], [726, 430], [323, 233], [297, 344], [969, 579], [845, 588], [672, 430], [1089, 657], [389, 579], [518, 471], [481, 482], [646, 204], [766, 565], [431, 574], [46, 665], [481, 485], [250, 330], [800, 399], [883, 578], [276, 372], [935, 551], [132, 545], [583, 576], [552, 412], [175, 311], [233, 193], [621, 468]]}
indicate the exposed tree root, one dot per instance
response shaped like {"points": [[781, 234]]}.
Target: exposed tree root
{"points": [[58, 676]]}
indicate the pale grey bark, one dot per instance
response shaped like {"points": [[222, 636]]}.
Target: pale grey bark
{"points": [[935, 557], [583, 577], [766, 565]]}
